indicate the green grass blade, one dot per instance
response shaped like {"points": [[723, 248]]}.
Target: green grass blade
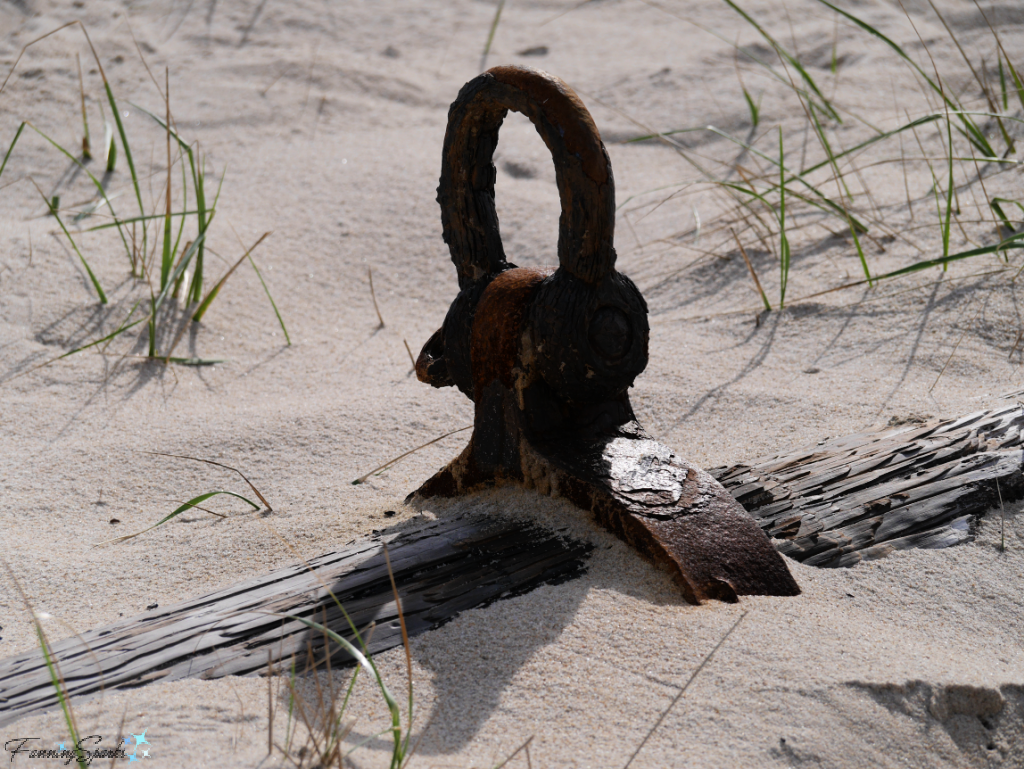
{"points": [[783, 240], [10, 149], [997, 208], [179, 510], [184, 205], [949, 194], [748, 191], [786, 56], [61, 697], [111, 150], [182, 265], [490, 34], [977, 136], [835, 171], [362, 659], [120, 330], [1017, 84], [748, 54], [1008, 243], [205, 216], [755, 109], [273, 304], [823, 201], [96, 183], [205, 220], [868, 142], [199, 183], [366, 663], [872, 31], [827, 146], [127, 151], [153, 309], [162, 123], [133, 219], [946, 260], [166, 255], [86, 144], [88, 269]]}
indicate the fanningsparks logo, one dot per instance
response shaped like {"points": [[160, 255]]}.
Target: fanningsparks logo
{"points": [[136, 741], [134, 747]]}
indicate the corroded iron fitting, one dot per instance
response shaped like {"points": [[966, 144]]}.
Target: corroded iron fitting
{"points": [[548, 355]]}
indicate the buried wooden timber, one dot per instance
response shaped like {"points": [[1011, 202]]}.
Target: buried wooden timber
{"points": [[860, 497], [441, 568], [833, 504]]}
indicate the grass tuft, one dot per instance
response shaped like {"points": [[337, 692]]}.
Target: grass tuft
{"points": [[56, 679], [178, 266]]}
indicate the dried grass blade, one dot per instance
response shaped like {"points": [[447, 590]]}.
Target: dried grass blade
{"points": [[198, 316], [400, 457], [249, 483]]}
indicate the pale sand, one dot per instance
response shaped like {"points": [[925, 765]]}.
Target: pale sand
{"points": [[335, 146]]}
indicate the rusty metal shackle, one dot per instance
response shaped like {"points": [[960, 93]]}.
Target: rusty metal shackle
{"points": [[588, 348], [547, 356], [583, 173]]}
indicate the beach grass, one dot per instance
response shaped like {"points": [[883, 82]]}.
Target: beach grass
{"points": [[56, 679], [167, 267], [964, 140]]}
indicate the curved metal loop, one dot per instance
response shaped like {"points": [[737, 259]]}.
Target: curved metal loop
{"points": [[583, 173]]}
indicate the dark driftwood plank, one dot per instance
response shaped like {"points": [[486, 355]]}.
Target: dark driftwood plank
{"points": [[833, 504], [862, 496], [442, 568]]}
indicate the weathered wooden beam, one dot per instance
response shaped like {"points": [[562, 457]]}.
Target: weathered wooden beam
{"points": [[442, 568], [832, 504], [860, 497]]}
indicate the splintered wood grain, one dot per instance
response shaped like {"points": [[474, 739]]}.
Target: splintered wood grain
{"points": [[442, 568], [836, 503], [860, 497]]}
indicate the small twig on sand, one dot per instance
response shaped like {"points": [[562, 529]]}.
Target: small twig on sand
{"points": [[373, 295], [218, 464], [682, 691], [525, 746], [394, 461]]}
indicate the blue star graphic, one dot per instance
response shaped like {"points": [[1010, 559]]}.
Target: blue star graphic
{"points": [[60, 746], [140, 739], [132, 758]]}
